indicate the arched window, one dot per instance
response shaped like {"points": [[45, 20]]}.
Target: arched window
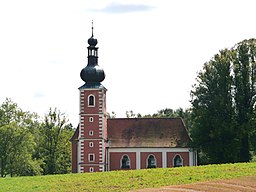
{"points": [[91, 101], [151, 161], [177, 161], [125, 162]]}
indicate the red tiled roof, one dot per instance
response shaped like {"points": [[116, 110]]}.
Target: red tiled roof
{"points": [[147, 132]]}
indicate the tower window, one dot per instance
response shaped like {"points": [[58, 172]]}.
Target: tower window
{"points": [[91, 144], [90, 119], [91, 133], [91, 157], [91, 101], [125, 162], [177, 161], [91, 169], [151, 161]]}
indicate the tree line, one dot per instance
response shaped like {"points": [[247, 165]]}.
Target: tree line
{"points": [[30, 145]]}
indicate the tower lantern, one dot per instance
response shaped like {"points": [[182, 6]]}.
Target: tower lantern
{"points": [[92, 74]]}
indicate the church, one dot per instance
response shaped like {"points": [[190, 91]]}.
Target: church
{"points": [[100, 144]]}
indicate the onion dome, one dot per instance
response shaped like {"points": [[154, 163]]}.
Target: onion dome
{"points": [[92, 42], [92, 74]]}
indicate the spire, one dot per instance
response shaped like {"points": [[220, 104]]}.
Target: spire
{"points": [[92, 41], [92, 28], [92, 74]]}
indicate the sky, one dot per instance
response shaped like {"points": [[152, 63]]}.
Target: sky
{"points": [[150, 50]]}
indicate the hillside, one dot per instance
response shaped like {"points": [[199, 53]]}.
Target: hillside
{"points": [[127, 180]]}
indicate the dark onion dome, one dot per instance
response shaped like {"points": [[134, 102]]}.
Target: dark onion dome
{"points": [[92, 42], [92, 74]]}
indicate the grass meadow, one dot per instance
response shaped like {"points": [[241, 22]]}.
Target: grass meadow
{"points": [[126, 180]]}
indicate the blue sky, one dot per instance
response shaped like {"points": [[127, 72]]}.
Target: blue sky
{"points": [[150, 50]]}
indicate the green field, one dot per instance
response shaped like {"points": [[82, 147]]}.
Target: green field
{"points": [[127, 180]]}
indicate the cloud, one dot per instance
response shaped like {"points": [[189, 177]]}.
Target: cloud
{"points": [[117, 8], [39, 94]]}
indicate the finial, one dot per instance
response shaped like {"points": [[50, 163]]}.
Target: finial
{"points": [[91, 41], [92, 28]]}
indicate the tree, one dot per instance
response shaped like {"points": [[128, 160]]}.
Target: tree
{"points": [[5, 145], [16, 141], [245, 92], [223, 105], [212, 110], [54, 148], [31, 147], [111, 115], [20, 161], [63, 163], [131, 114]]}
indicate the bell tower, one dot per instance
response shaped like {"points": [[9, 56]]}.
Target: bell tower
{"points": [[93, 116]]}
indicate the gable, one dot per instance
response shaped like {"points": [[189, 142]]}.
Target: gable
{"points": [[147, 132]]}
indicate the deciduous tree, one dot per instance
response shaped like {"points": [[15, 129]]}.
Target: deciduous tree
{"points": [[223, 104], [16, 141], [213, 126], [54, 148], [245, 93]]}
